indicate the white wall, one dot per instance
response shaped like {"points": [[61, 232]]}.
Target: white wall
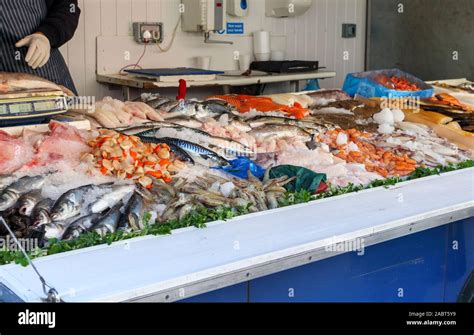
{"points": [[314, 36]]}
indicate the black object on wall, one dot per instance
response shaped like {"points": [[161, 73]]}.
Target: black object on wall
{"points": [[432, 39]]}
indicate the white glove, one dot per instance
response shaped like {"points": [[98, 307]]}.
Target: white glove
{"points": [[39, 49]]}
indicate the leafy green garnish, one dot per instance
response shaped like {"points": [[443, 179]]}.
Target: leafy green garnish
{"points": [[200, 216]]}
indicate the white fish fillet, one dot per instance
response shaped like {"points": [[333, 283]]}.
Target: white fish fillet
{"points": [[14, 82]]}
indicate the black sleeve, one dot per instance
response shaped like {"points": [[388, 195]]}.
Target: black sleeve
{"points": [[61, 22]]}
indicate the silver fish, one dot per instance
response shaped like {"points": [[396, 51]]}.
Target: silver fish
{"points": [[6, 180], [281, 131], [109, 222], [70, 203], [261, 121], [136, 129], [55, 230], [28, 201], [191, 108], [186, 122], [80, 226], [158, 102], [110, 199], [241, 125], [41, 213], [132, 219], [167, 106], [13, 192]]}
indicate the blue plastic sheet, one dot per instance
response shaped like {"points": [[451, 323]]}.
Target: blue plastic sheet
{"points": [[239, 167], [365, 84]]}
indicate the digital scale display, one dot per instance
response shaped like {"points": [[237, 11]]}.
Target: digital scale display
{"points": [[3, 110], [32, 107]]}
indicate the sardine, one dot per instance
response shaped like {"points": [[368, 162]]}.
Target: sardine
{"points": [[194, 150], [80, 226], [132, 219], [28, 201], [109, 222], [70, 203], [13, 192], [41, 213], [112, 198]]}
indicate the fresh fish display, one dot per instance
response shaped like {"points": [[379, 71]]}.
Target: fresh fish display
{"points": [[214, 191], [134, 163], [10, 195]]}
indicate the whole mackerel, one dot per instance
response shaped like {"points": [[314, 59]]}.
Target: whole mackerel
{"points": [[194, 150]]}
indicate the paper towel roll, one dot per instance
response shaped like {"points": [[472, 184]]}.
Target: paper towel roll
{"points": [[261, 42]]}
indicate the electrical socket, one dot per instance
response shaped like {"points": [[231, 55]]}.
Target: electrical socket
{"points": [[155, 28]]}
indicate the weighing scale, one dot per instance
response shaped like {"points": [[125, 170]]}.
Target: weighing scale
{"points": [[34, 106]]}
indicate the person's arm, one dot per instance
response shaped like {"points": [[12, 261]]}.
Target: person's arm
{"points": [[61, 22]]}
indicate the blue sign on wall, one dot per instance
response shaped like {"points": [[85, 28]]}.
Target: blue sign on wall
{"points": [[235, 28]]}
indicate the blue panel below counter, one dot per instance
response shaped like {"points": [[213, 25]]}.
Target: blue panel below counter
{"points": [[429, 266]]}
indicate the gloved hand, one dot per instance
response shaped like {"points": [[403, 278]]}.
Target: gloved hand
{"points": [[39, 49]]}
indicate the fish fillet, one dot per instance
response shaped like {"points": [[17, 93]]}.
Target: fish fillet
{"points": [[13, 82], [14, 153]]}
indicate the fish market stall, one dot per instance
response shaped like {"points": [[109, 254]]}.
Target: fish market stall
{"points": [[285, 197]]}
